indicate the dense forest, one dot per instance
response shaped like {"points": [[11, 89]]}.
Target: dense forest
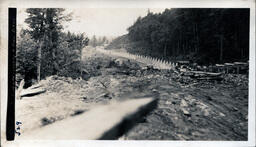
{"points": [[44, 49], [206, 36]]}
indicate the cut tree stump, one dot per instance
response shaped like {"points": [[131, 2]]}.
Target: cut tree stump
{"points": [[18, 92], [104, 122]]}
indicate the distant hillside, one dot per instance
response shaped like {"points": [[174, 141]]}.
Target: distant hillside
{"points": [[119, 42]]}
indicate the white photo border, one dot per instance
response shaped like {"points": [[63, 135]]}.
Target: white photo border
{"points": [[5, 4]]}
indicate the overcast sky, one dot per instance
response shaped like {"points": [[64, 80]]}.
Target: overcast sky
{"points": [[99, 21]]}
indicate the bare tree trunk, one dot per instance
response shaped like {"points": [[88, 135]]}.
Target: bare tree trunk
{"points": [[197, 37], [40, 53], [242, 53], [178, 50], [165, 50], [183, 48], [221, 48], [39, 61], [81, 60], [53, 54]]}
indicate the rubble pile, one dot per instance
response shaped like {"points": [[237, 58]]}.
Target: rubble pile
{"points": [[189, 108], [237, 79]]}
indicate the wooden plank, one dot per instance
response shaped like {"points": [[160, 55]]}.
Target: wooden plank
{"points": [[104, 122]]}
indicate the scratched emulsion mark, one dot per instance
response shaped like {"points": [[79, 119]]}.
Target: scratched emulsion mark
{"points": [[17, 130]]}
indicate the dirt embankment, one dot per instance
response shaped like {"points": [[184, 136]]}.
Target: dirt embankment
{"points": [[188, 109]]}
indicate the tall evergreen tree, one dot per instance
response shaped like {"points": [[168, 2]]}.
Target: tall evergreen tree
{"points": [[44, 27]]}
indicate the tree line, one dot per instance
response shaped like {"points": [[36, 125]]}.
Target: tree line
{"points": [[98, 41], [44, 49], [205, 36]]}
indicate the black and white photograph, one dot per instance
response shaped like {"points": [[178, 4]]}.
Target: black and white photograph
{"points": [[128, 74]]}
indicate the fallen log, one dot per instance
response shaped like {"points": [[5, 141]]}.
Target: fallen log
{"points": [[210, 78], [35, 86], [229, 64], [31, 92], [240, 63], [104, 123], [202, 74]]}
